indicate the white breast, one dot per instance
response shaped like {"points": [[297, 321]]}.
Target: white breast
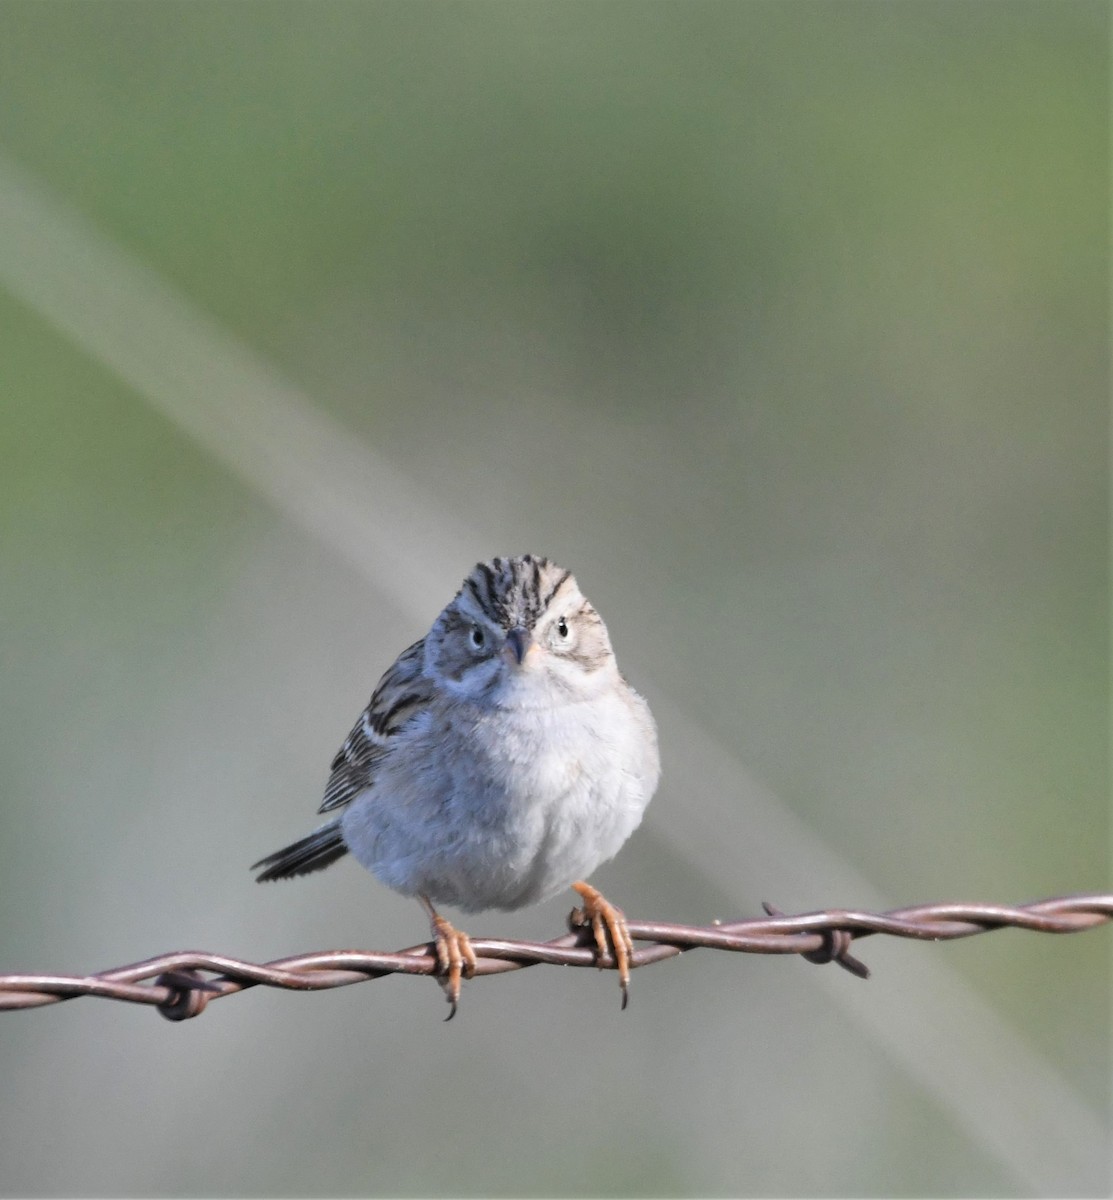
{"points": [[500, 808]]}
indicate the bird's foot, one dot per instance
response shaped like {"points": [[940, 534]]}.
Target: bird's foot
{"points": [[455, 958], [608, 925]]}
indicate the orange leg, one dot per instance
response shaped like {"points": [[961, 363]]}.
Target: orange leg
{"points": [[455, 957], [607, 923]]}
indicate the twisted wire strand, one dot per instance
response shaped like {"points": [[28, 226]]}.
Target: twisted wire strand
{"points": [[181, 983]]}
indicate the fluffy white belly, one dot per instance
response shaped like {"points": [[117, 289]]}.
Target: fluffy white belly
{"points": [[503, 808]]}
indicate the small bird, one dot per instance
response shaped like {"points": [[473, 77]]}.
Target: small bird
{"points": [[501, 758]]}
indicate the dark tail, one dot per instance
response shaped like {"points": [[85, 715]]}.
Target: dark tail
{"points": [[314, 852]]}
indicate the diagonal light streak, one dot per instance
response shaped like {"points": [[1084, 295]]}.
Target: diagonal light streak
{"points": [[1008, 1099]]}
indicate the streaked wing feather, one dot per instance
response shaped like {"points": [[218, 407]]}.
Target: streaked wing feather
{"points": [[403, 691]]}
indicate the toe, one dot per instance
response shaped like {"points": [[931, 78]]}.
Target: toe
{"points": [[608, 924], [455, 959], [468, 955]]}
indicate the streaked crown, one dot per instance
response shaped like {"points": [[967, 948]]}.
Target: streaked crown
{"points": [[515, 591], [528, 604]]}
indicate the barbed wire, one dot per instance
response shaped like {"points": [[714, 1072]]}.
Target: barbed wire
{"points": [[180, 984]]}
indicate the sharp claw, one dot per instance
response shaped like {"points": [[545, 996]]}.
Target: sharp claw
{"points": [[455, 959], [452, 986], [607, 922]]}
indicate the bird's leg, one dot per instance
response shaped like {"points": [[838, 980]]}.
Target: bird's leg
{"points": [[455, 957], [607, 923]]}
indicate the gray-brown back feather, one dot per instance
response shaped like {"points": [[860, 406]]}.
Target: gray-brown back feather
{"points": [[402, 691]]}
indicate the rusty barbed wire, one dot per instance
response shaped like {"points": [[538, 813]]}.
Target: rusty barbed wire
{"points": [[180, 984]]}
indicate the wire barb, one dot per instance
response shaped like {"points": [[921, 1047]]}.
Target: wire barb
{"points": [[835, 948], [182, 983]]}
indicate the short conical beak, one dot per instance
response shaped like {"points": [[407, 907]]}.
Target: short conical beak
{"points": [[518, 643]]}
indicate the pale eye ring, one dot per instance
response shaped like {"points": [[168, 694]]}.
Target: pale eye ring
{"points": [[562, 627], [477, 637]]}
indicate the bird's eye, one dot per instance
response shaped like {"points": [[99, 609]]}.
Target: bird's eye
{"points": [[562, 627], [477, 637]]}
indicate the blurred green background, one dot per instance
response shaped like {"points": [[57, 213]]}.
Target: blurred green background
{"points": [[784, 325]]}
